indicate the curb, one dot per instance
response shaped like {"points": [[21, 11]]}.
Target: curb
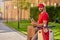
{"points": [[16, 31]]}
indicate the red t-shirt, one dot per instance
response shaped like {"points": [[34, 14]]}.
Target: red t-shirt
{"points": [[43, 16]]}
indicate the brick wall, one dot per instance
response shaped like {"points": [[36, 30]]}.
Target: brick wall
{"points": [[11, 13], [47, 2]]}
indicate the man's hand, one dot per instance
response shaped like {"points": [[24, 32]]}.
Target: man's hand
{"points": [[33, 22], [45, 30]]}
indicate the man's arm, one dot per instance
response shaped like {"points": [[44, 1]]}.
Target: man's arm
{"points": [[42, 24], [34, 23]]}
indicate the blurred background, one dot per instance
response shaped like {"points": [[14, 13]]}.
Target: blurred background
{"points": [[17, 13]]}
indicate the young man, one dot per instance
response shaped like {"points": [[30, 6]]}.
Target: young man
{"points": [[43, 20]]}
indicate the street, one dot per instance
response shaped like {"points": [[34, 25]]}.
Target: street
{"points": [[7, 33]]}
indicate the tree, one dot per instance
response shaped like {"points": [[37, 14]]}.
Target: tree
{"points": [[24, 4], [0, 8]]}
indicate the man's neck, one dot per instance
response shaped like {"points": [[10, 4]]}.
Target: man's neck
{"points": [[42, 11]]}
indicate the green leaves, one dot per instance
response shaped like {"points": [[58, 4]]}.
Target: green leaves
{"points": [[54, 12], [34, 13], [24, 4], [0, 8]]}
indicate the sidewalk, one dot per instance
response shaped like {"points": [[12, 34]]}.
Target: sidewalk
{"points": [[7, 33]]}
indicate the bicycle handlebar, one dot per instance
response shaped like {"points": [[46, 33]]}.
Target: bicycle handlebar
{"points": [[46, 27], [51, 26]]}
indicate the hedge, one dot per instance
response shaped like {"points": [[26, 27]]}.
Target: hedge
{"points": [[34, 13], [54, 12]]}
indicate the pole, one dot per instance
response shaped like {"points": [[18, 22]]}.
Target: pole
{"points": [[18, 13], [7, 13], [4, 10]]}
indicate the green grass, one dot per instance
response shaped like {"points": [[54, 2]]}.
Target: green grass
{"points": [[24, 24], [56, 30]]}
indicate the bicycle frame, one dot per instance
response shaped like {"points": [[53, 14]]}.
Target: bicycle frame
{"points": [[40, 36]]}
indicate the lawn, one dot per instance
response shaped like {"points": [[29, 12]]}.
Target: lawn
{"points": [[24, 24]]}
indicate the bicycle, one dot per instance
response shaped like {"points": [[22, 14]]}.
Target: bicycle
{"points": [[31, 32]]}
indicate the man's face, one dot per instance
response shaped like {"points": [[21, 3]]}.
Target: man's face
{"points": [[41, 9]]}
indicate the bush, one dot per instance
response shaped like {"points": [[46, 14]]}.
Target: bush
{"points": [[34, 13], [54, 12]]}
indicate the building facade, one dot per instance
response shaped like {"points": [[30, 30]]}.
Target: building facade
{"points": [[10, 10], [46, 2]]}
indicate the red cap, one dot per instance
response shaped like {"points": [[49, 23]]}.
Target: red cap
{"points": [[41, 6]]}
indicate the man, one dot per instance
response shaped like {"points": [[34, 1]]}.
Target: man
{"points": [[43, 20]]}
